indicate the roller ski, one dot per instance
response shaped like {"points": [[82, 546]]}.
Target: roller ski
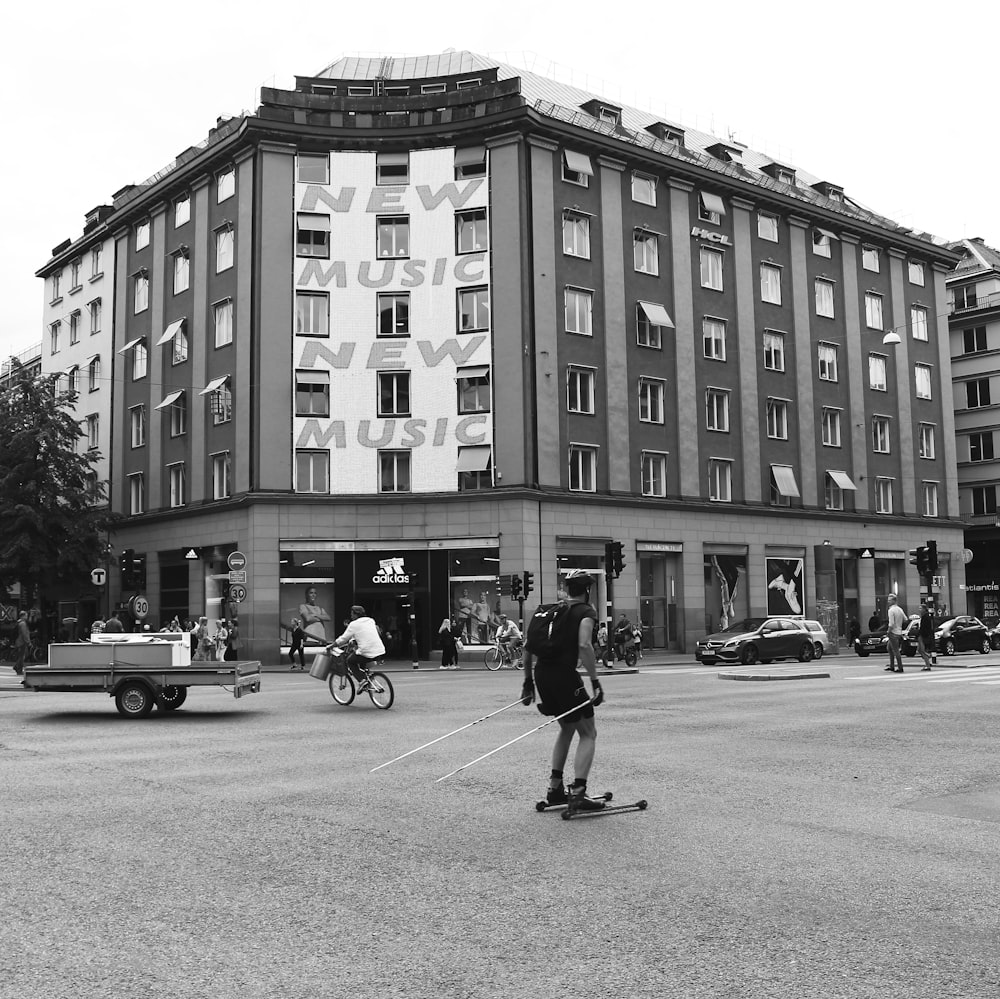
{"points": [[558, 798], [581, 805]]}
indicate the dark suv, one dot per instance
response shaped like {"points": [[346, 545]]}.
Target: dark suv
{"points": [[962, 634], [774, 638]]}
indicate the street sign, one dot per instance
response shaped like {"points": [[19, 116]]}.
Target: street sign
{"points": [[965, 555], [139, 606], [237, 576], [98, 576], [237, 593], [236, 560]]}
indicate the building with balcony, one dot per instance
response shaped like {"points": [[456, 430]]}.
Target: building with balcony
{"points": [[30, 358], [420, 323]]}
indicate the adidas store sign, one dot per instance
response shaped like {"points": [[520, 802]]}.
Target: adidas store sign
{"points": [[390, 570]]}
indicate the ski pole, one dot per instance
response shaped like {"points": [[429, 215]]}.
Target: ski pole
{"points": [[512, 741], [441, 737]]}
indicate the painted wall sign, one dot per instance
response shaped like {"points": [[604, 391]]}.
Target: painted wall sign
{"points": [[376, 434], [470, 268], [711, 236]]}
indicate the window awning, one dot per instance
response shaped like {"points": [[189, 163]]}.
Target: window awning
{"points": [[393, 159], [131, 344], [842, 479], [470, 155], [214, 385], [314, 223], [578, 162], [170, 399], [474, 459], [93, 357], [784, 479], [171, 331], [656, 314], [472, 372], [312, 378], [713, 203], [827, 233], [71, 369]]}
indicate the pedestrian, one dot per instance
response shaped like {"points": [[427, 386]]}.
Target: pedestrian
{"points": [[97, 626], [898, 623], [874, 622], [449, 650], [22, 644], [601, 644], [114, 625], [925, 637], [637, 634], [623, 636], [298, 644], [221, 640], [559, 636]]}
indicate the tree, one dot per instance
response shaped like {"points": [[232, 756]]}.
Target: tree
{"points": [[51, 517]]}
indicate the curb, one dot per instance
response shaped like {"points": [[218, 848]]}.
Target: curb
{"points": [[774, 676]]}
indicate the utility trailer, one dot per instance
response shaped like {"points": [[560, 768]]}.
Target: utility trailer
{"points": [[140, 672]]}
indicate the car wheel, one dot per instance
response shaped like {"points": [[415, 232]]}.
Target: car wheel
{"points": [[818, 650], [749, 655], [985, 647], [806, 652], [948, 647]]}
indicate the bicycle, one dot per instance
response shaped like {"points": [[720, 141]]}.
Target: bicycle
{"points": [[344, 686], [503, 655]]}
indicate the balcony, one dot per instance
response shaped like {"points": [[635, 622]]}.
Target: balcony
{"points": [[983, 302]]}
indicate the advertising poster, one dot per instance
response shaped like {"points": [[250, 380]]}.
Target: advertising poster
{"points": [[312, 604], [785, 592]]}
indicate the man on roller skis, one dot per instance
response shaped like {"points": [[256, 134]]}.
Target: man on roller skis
{"points": [[559, 636]]}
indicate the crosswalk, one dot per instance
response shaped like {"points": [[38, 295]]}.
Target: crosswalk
{"points": [[984, 675]]}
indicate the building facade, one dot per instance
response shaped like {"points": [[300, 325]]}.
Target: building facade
{"points": [[421, 323]]}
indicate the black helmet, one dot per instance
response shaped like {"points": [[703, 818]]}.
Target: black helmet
{"points": [[578, 581]]}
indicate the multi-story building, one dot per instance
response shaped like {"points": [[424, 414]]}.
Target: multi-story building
{"points": [[30, 358], [974, 321], [421, 323]]}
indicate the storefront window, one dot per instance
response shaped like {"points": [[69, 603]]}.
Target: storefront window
{"points": [[726, 597], [306, 596], [473, 585], [785, 586]]}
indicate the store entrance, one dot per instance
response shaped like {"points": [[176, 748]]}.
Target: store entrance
{"points": [[391, 612]]}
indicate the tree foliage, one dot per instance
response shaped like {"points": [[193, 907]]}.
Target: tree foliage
{"points": [[51, 519]]}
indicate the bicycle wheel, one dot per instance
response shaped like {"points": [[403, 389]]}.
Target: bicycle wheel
{"points": [[518, 660], [341, 688], [492, 659], [380, 691]]}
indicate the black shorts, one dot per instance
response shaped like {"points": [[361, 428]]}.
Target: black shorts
{"points": [[560, 691]]}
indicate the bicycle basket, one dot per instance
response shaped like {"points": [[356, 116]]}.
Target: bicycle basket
{"points": [[322, 666]]}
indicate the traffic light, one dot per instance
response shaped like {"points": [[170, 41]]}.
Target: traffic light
{"points": [[614, 558], [125, 562], [515, 586], [505, 586], [139, 572], [932, 558], [529, 583], [918, 557]]}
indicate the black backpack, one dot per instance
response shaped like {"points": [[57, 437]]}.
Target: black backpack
{"points": [[551, 629]]}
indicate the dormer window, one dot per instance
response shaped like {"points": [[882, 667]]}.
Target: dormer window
{"points": [[609, 113], [726, 152], [667, 133], [432, 88], [360, 91], [831, 191]]}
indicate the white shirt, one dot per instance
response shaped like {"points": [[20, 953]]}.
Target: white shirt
{"points": [[365, 632], [898, 620], [508, 631]]}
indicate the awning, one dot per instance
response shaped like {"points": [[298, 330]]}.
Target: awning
{"points": [[784, 479], [841, 478], [171, 331], [713, 203], [656, 314], [578, 162], [827, 233], [470, 156], [70, 369], [312, 377], [393, 159], [474, 459], [472, 372], [214, 385], [131, 344], [170, 400], [313, 223]]}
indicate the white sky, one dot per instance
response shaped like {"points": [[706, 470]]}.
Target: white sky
{"points": [[884, 97]]}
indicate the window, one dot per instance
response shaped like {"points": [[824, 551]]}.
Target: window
{"points": [[822, 243], [777, 419], [224, 247], [312, 471], [579, 311], [576, 234], [782, 485], [394, 471], [312, 235], [312, 393], [974, 340], [717, 409], [711, 208], [774, 351], [182, 210], [222, 404], [824, 298], [926, 440], [475, 468], [644, 189], [654, 473], [883, 495], [650, 320], [720, 480], [177, 484], [94, 374], [221, 471], [95, 316], [140, 287], [646, 251], [178, 415], [93, 431], [922, 380], [182, 269], [916, 272], [713, 336], [312, 313], [711, 269], [834, 494], [582, 468], [977, 393], [984, 499], [74, 275], [770, 284], [73, 379], [918, 322], [140, 360], [137, 493], [56, 283], [651, 399], [981, 447], [880, 434], [225, 184], [471, 235], [223, 312], [394, 314], [96, 262], [473, 309], [473, 390], [580, 389], [965, 297], [869, 258], [831, 427], [873, 310], [876, 372], [54, 337], [312, 168], [392, 237], [767, 226], [470, 161], [826, 354], [137, 423], [576, 168], [179, 353], [394, 393], [392, 168], [930, 491], [141, 235]]}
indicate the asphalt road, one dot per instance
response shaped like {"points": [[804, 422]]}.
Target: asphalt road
{"points": [[827, 838]]}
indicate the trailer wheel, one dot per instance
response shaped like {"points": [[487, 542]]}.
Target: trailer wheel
{"points": [[134, 699], [172, 698]]}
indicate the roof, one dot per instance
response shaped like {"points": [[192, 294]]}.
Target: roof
{"points": [[977, 258]]}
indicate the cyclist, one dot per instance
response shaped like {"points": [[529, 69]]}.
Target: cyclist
{"points": [[509, 639], [363, 631]]}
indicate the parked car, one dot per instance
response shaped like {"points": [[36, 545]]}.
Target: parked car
{"points": [[995, 636], [819, 637], [774, 638], [877, 642], [962, 634], [719, 638]]}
